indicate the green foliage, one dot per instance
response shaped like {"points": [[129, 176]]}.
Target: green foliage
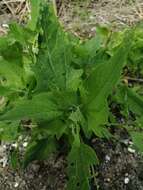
{"points": [[34, 108], [35, 14], [9, 131], [39, 150], [14, 159], [80, 159], [63, 87], [5, 91], [100, 84], [138, 140]]}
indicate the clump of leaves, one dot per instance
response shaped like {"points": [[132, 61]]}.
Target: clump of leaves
{"points": [[61, 85]]}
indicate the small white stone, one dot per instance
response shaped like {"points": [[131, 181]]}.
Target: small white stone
{"points": [[131, 143], [4, 146], [15, 145], [5, 25], [126, 142], [20, 138], [107, 158], [131, 150], [126, 180], [5, 161], [25, 144], [16, 184], [93, 29], [1, 160], [91, 17], [108, 179]]}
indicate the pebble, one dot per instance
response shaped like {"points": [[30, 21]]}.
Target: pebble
{"points": [[16, 184], [131, 143], [15, 145], [4, 146], [126, 142], [25, 144], [93, 29], [126, 180], [107, 158], [108, 180], [5, 161], [91, 17], [131, 150], [5, 25]]}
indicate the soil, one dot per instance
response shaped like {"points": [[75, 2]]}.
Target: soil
{"points": [[121, 167], [46, 175], [82, 17]]}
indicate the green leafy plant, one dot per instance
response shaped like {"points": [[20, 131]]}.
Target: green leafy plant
{"points": [[60, 86]]}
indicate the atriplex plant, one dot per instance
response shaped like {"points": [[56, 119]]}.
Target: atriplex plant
{"points": [[59, 87]]}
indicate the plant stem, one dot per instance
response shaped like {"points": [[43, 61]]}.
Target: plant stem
{"points": [[55, 7]]}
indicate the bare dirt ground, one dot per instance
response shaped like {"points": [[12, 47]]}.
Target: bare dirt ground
{"points": [[121, 167], [12, 10], [82, 17]]}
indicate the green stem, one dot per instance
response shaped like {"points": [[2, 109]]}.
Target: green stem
{"points": [[55, 7]]}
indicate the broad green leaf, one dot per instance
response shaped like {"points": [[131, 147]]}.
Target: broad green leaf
{"points": [[94, 44], [87, 52], [136, 55], [131, 99], [23, 35], [9, 131], [76, 116], [11, 71], [5, 91], [134, 101], [55, 54], [40, 106], [121, 98], [39, 150], [140, 122], [95, 122], [137, 138], [56, 128], [74, 79], [80, 159], [12, 51], [53, 68], [100, 83], [65, 100], [35, 14]]}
